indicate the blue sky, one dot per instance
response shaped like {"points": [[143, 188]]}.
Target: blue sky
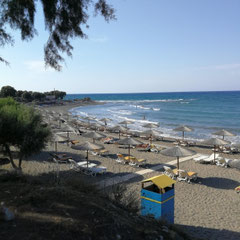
{"points": [[154, 46]]}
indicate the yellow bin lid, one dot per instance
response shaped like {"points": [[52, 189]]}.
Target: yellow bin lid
{"points": [[161, 181]]}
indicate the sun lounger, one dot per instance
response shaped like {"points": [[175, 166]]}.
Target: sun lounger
{"points": [[108, 140], [237, 189], [222, 162], [102, 152], [97, 170], [120, 158], [81, 166], [172, 173], [137, 162], [210, 159], [76, 166], [74, 142], [186, 176], [200, 158], [61, 158], [144, 147]]}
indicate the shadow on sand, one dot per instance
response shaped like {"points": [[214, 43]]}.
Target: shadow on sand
{"points": [[210, 233], [218, 182]]}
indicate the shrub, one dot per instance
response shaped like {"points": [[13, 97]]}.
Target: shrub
{"points": [[21, 127]]}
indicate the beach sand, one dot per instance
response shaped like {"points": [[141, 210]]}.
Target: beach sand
{"points": [[208, 208]]}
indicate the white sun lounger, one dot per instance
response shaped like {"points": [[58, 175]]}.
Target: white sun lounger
{"points": [[200, 158], [222, 162], [210, 159], [97, 170], [186, 176]]}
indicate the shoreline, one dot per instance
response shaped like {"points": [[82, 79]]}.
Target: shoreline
{"points": [[166, 139]]}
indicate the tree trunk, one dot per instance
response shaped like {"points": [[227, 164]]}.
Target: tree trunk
{"points": [[20, 161], [10, 156]]}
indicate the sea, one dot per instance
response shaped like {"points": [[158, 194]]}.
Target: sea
{"points": [[205, 112]]}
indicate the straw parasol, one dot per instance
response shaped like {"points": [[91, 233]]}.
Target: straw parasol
{"points": [[87, 146], [88, 119], [95, 126], [56, 139], [183, 129], [151, 125], [94, 135], [130, 142], [178, 152], [118, 129], [66, 129], [215, 142], [224, 133], [126, 122], [151, 133], [105, 120]]}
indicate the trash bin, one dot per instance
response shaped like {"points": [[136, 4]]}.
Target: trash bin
{"points": [[157, 198]]}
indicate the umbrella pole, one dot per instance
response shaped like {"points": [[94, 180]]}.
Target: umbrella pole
{"points": [[87, 158], [129, 151], [55, 146], [214, 151], [178, 163], [68, 138], [223, 137], [183, 135]]}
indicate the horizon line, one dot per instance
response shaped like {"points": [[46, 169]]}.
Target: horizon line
{"points": [[157, 92]]}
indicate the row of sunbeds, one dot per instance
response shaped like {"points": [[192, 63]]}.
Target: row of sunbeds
{"points": [[180, 175], [87, 168], [132, 161], [217, 159]]}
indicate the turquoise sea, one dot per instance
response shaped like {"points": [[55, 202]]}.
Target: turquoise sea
{"points": [[206, 112]]}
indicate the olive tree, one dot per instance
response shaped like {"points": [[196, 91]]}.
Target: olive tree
{"points": [[21, 130], [64, 20]]}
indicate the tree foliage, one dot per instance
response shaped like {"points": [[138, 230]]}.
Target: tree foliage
{"points": [[21, 128], [64, 20], [8, 91]]}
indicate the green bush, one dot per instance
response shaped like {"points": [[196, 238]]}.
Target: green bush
{"points": [[21, 127]]}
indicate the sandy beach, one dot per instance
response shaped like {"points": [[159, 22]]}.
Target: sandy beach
{"points": [[207, 208]]}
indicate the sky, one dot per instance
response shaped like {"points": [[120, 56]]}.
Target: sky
{"points": [[153, 46]]}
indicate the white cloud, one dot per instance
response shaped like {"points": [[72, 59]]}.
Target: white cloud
{"points": [[37, 66]]}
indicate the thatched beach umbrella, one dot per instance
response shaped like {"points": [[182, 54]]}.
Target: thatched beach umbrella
{"points": [[57, 139], [130, 142], [87, 146], [105, 120], [224, 133], [152, 133], [88, 118], [183, 129], [94, 135], [95, 126], [126, 122], [66, 129], [177, 152], [118, 129], [215, 142]]}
